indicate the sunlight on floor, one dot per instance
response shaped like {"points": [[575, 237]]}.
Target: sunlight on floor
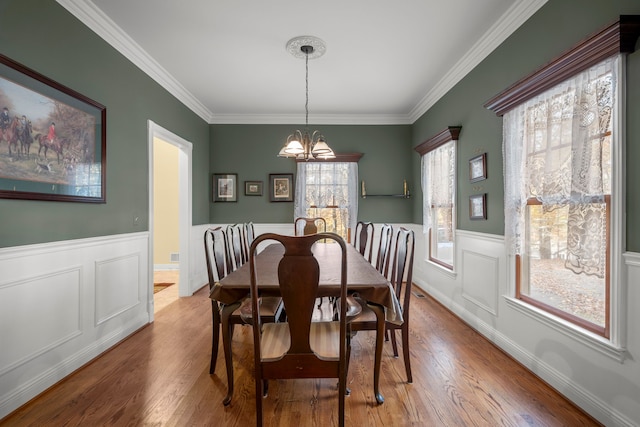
{"points": [[169, 294]]}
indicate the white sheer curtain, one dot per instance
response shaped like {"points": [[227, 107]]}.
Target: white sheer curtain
{"points": [[556, 150], [438, 182], [327, 185]]}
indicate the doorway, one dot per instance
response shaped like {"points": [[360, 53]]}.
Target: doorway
{"points": [[181, 221]]}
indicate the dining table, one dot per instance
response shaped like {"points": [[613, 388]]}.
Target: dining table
{"points": [[363, 281]]}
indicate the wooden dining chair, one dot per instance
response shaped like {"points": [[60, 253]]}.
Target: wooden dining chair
{"points": [[386, 233], [218, 257], [299, 348], [400, 269], [236, 239], [305, 226], [249, 236], [363, 239]]}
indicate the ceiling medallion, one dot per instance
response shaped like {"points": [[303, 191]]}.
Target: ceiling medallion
{"points": [[295, 44]]}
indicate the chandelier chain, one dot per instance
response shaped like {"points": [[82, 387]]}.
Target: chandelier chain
{"points": [[306, 104]]}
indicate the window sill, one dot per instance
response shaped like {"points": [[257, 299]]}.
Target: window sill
{"points": [[449, 272], [593, 341]]}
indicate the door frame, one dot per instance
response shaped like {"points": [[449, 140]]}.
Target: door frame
{"points": [[185, 149]]}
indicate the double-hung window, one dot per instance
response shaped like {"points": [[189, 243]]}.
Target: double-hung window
{"points": [[328, 189], [439, 195], [563, 151], [558, 150]]}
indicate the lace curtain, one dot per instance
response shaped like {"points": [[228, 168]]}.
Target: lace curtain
{"points": [[438, 182], [556, 151], [322, 185]]}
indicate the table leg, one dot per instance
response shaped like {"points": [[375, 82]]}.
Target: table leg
{"points": [[380, 324], [227, 335]]}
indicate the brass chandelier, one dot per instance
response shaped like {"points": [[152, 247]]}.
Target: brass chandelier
{"points": [[303, 144]]}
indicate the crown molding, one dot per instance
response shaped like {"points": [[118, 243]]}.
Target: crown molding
{"points": [[509, 22], [318, 119], [90, 15], [103, 26]]}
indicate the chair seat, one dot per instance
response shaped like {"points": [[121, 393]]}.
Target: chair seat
{"points": [[357, 309], [324, 340], [269, 307]]}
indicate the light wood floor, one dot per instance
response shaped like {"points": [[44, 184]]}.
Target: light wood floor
{"points": [[169, 294], [160, 376]]}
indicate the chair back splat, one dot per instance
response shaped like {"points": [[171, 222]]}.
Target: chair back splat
{"points": [[382, 257], [305, 226], [236, 239], [363, 240], [299, 348]]}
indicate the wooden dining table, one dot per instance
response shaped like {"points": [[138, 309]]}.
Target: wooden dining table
{"points": [[363, 280]]}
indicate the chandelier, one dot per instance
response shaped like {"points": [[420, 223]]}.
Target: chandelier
{"points": [[303, 144]]}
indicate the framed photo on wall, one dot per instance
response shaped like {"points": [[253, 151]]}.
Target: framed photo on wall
{"points": [[478, 168], [478, 206], [281, 187], [225, 187], [53, 139], [253, 188]]}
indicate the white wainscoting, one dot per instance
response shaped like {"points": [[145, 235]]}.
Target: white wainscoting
{"points": [[587, 370], [64, 303]]}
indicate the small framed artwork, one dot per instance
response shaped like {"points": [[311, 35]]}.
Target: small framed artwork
{"points": [[478, 168], [225, 187], [478, 206], [281, 187], [253, 188]]}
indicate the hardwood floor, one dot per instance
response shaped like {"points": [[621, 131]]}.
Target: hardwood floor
{"points": [[160, 376]]}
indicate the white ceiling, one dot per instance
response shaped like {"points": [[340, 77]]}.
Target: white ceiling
{"points": [[386, 61]]}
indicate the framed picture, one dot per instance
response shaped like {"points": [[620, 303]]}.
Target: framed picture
{"points": [[478, 168], [225, 187], [52, 139], [478, 206], [281, 187], [253, 188]]}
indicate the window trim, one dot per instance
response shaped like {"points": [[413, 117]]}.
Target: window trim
{"points": [[619, 37], [445, 136], [340, 158]]}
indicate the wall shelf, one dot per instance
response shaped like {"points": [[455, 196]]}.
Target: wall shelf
{"points": [[405, 192]]}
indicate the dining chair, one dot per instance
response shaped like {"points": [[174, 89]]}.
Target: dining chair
{"points": [[305, 226], [386, 232], [299, 348], [218, 257], [400, 277], [236, 239], [363, 239], [249, 236]]}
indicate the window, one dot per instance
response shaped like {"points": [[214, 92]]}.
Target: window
{"points": [[564, 183], [328, 189], [558, 148], [439, 195]]}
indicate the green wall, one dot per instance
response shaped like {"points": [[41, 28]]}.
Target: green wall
{"points": [[555, 28], [43, 36], [251, 152]]}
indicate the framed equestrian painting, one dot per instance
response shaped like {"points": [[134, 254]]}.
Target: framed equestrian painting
{"points": [[52, 139]]}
